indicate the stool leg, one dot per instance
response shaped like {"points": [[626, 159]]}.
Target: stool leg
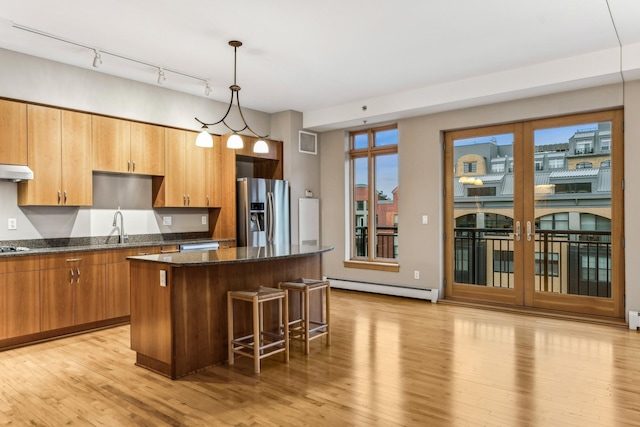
{"points": [[230, 328], [307, 313], [256, 335], [328, 313], [286, 326]]}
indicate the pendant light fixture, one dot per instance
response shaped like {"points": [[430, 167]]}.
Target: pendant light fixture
{"points": [[235, 140]]}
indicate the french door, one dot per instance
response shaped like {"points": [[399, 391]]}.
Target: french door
{"points": [[534, 214]]}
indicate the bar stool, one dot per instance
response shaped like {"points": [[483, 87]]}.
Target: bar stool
{"points": [[304, 328], [260, 343]]}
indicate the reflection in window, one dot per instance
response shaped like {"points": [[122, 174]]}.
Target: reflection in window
{"points": [[470, 167], [584, 165]]}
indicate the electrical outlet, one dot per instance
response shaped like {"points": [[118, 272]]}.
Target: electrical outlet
{"points": [[163, 278], [204, 219], [12, 224], [166, 220], [416, 275]]}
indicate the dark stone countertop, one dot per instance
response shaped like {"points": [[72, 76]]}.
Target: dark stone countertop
{"points": [[85, 244], [232, 255]]}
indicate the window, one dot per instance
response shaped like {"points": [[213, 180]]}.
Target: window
{"points": [[374, 170], [470, 167], [605, 144], [481, 191], [502, 261], [497, 167], [539, 166], [556, 163], [584, 165], [554, 221], [574, 187], [605, 164], [553, 268], [584, 147]]}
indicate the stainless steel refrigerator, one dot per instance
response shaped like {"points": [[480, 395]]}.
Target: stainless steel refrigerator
{"points": [[262, 212]]}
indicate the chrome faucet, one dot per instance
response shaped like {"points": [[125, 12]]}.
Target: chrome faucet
{"points": [[123, 237]]}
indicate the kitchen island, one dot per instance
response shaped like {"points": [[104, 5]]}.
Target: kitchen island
{"points": [[178, 300]]}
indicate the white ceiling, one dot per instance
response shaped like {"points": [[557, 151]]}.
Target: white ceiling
{"points": [[330, 58]]}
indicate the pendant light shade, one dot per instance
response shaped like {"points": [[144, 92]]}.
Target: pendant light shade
{"points": [[235, 141], [260, 147], [204, 139]]}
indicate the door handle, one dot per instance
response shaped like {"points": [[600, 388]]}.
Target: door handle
{"points": [[529, 233], [517, 233]]}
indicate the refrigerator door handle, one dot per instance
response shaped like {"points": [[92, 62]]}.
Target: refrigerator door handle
{"points": [[270, 217]]}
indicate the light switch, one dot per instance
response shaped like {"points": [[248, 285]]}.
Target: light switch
{"points": [[163, 278], [425, 219]]}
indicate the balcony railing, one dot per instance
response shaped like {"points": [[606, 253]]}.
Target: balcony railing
{"points": [[568, 262], [386, 243]]}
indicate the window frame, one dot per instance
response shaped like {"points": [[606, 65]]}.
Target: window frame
{"points": [[370, 261]]}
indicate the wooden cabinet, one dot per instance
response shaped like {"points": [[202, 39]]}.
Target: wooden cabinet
{"points": [[60, 157], [127, 147], [13, 132], [185, 182], [19, 297], [222, 221], [117, 283], [72, 288]]}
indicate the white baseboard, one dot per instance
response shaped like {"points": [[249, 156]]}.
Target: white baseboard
{"points": [[376, 288]]}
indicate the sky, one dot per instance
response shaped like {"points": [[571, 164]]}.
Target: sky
{"points": [[541, 136]]}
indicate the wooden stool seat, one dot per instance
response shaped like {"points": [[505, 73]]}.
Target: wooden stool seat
{"points": [[304, 328], [260, 343]]}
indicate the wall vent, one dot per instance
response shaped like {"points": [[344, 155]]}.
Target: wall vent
{"points": [[307, 142]]}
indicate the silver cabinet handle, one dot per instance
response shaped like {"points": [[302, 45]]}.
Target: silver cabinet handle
{"points": [[78, 276], [207, 200], [133, 169], [128, 165], [517, 233], [59, 196], [529, 233], [73, 259], [184, 200], [65, 197], [71, 277]]}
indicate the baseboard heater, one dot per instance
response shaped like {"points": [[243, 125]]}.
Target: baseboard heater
{"points": [[634, 320], [377, 288]]}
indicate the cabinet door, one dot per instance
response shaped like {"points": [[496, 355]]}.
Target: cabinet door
{"points": [[195, 160], [77, 176], [111, 142], [90, 294], [13, 133], [147, 149], [20, 295], [225, 226], [57, 292], [175, 191], [44, 142], [213, 173]]}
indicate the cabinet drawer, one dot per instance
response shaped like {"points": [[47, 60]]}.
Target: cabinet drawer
{"points": [[71, 258], [22, 263], [120, 255]]}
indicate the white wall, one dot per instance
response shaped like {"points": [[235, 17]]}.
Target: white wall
{"points": [[36, 80]]}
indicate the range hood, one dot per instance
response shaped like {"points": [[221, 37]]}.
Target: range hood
{"points": [[15, 173]]}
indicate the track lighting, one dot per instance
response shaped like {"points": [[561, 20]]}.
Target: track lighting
{"points": [[97, 59], [235, 140], [161, 77]]}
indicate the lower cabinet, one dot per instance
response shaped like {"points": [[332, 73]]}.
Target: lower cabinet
{"points": [[72, 288], [19, 297], [118, 298]]}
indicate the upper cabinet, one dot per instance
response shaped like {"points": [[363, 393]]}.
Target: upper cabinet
{"points": [[187, 180], [59, 144], [127, 147], [13, 132]]}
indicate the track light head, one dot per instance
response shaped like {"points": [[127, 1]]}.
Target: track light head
{"points": [[97, 59], [161, 77], [207, 89]]}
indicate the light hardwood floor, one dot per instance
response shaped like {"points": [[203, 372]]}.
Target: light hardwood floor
{"points": [[392, 362]]}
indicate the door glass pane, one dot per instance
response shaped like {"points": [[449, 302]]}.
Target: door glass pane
{"points": [[386, 206], [483, 211], [360, 208], [573, 209]]}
